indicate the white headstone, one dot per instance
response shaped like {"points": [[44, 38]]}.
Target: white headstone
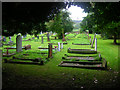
{"points": [[95, 44], [18, 43], [61, 45], [58, 46], [41, 32]]}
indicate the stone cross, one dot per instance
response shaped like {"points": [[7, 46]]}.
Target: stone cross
{"points": [[18, 43], [58, 46]]}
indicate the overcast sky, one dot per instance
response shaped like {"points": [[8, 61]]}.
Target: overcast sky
{"points": [[77, 13]]}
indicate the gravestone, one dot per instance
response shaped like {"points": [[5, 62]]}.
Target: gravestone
{"points": [[37, 37], [58, 46], [10, 38], [95, 44], [61, 45], [41, 32], [93, 41], [42, 38], [48, 37], [4, 39], [50, 50], [18, 43], [33, 37]]}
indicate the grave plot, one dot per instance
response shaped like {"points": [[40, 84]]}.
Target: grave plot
{"points": [[82, 51], [84, 58], [82, 39], [91, 65], [28, 58], [96, 62]]}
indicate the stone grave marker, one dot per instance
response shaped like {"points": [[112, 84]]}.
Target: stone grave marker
{"points": [[95, 44], [61, 45], [18, 43], [93, 40], [58, 46], [48, 37]]}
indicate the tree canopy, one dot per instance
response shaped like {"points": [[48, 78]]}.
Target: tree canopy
{"points": [[105, 18], [61, 23]]}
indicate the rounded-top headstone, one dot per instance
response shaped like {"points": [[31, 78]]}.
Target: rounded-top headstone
{"points": [[18, 43]]}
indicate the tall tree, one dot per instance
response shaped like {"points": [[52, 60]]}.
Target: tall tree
{"points": [[106, 16], [61, 23]]}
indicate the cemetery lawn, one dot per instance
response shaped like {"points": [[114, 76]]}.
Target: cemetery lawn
{"points": [[51, 75]]}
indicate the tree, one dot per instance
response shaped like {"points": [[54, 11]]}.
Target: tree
{"points": [[22, 17], [61, 24], [106, 17]]}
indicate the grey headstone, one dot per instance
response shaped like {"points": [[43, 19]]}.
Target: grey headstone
{"points": [[18, 43], [61, 45]]}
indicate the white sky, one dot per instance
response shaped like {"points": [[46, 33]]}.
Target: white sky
{"points": [[77, 13]]}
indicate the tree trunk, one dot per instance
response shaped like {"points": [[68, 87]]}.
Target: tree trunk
{"points": [[115, 38]]}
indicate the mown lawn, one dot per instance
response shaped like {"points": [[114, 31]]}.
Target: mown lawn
{"points": [[52, 76]]}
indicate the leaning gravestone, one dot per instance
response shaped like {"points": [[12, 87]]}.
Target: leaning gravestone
{"points": [[18, 43], [90, 39], [93, 40]]}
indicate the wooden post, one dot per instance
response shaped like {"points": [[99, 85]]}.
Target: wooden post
{"points": [[42, 38], [50, 50], [95, 44], [93, 41], [55, 37]]}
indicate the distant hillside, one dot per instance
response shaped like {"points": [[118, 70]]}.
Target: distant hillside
{"points": [[76, 21]]}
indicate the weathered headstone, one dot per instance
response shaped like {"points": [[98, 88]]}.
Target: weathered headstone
{"points": [[93, 40], [37, 37], [48, 37], [95, 44], [42, 38], [61, 45], [58, 46], [33, 37], [10, 38], [41, 32], [18, 43], [4, 39], [50, 50]]}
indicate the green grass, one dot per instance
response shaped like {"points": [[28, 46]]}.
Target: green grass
{"points": [[50, 75]]}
